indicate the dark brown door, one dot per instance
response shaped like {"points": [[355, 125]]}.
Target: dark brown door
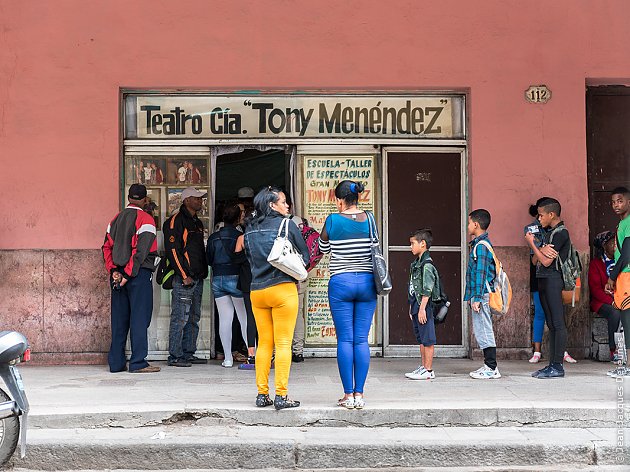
{"points": [[608, 148], [424, 191]]}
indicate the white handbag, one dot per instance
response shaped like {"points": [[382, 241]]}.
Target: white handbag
{"points": [[285, 257]]}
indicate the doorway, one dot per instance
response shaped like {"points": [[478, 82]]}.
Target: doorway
{"points": [[249, 168], [425, 188], [608, 151]]}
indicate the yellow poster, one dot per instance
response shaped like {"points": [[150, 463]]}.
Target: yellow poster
{"points": [[321, 174]]}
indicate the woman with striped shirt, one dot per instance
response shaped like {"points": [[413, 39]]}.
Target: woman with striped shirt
{"points": [[351, 290]]}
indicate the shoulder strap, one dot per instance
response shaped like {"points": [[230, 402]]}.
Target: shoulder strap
{"points": [[487, 245], [557, 229], [284, 224], [372, 225]]}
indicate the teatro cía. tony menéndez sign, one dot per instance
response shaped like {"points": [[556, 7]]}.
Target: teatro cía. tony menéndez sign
{"points": [[294, 116]]}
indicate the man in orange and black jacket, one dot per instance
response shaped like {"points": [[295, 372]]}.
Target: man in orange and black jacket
{"points": [[130, 252], [183, 245]]}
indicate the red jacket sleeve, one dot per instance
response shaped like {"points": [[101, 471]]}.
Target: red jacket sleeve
{"points": [[596, 282], [108, 247]]}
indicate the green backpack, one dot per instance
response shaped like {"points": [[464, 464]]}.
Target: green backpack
{"points": [[571, 269]]}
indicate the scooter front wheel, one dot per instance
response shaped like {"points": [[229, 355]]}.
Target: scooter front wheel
{"points": [[9, 433]]}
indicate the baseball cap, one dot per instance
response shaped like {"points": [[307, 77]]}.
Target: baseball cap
{"points": [[137, 192], [192, 192], [245, 192]]}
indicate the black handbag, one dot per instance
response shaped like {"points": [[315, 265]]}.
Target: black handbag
{"points": [[382, 280]]}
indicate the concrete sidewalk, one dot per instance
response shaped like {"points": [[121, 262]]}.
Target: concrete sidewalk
{"points": [[90, 396], [84, 417]]}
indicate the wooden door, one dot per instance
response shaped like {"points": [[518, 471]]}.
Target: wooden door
{"points": [[424, 190], [608, 150]]}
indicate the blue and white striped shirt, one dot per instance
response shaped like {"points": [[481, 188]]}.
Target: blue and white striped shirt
{"points": [[348, 245]]}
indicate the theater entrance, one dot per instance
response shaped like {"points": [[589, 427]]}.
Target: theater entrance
{"points": [[408, 149]]}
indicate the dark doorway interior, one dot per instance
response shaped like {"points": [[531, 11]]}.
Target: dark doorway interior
{"points": [[608, 151], [249, 168]]}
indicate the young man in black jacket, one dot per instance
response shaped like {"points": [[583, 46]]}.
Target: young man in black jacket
{"points": [[183, 244]]}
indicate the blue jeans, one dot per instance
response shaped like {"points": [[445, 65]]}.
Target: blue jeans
{"points": [[352, 298], [224, 285], [185, 316], [132, 307], [539, 318]]}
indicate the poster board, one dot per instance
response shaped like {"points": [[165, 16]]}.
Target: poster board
{"points": [[320, 176]]}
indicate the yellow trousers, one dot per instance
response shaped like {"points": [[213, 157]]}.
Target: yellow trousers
{"points": [[275, 310]]}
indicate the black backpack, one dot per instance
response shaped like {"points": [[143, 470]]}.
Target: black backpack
{"points": [[441, 304], [164, 274]]}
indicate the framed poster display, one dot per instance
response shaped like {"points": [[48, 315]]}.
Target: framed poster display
{"points": [[187, 172], [146, 170], [174, 200], [154, 205]]}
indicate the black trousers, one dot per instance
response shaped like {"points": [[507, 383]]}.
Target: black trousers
{"points": [[613, 316], [550, 291], [252, 332]]}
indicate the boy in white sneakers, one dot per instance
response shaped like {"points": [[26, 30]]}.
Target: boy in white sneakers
{"points": [[423, 289], [480, 275]]}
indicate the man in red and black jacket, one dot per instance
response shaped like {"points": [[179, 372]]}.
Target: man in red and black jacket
{"points": [[183, 245], [130, 252]]}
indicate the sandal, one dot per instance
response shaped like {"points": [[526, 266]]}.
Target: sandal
{"points": [[346, 403], [359, 402], [262, 400], [535, 358]]}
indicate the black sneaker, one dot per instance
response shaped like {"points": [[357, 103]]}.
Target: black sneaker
{"points": [[297, 358], [197, 360], [282, 402], [263, 400], [554, 372], [542, 371], [179, 363]]}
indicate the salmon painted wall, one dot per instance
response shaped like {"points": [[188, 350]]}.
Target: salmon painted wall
{"points": [[62, 65]]}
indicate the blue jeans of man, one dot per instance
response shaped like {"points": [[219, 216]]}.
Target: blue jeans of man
{"points": [[185, 316], [352, 298], [132, 307]]}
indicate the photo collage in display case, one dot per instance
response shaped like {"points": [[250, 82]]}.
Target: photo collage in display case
{"points": [[165, 179]]}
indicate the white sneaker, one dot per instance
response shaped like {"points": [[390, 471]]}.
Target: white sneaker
{"points": [[227, 363], [535, 358], [486, 372], [621, 371], [423, 374], [413, 373]]}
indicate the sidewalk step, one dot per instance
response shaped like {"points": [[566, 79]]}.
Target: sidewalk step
{"points": [[191, 446], [582, 415], [537, 468]]}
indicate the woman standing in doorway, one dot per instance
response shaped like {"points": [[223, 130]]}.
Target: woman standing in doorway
{"points": [[274, 295], [351, 290], [225, 274]]}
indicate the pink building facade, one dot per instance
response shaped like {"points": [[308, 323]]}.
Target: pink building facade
{"points": [[71, 74]]}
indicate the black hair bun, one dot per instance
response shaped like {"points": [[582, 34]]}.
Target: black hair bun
{"points": [[359, 187], [533, 210]]}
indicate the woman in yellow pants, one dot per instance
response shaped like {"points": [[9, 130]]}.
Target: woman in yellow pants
{"points": [[273, 294]]}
